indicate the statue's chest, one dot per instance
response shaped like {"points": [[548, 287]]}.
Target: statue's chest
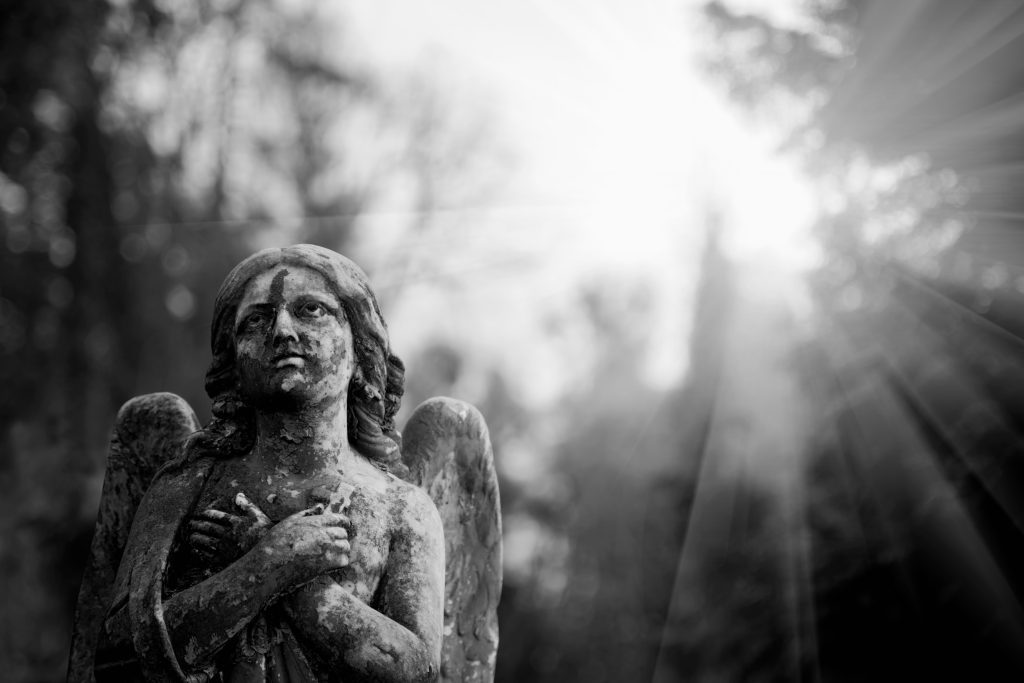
{"points": [[365, 501]]}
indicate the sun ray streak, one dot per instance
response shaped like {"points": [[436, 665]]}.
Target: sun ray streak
{"points": [[995, 121], [863, 453], [929, 373], [749, 463], [912, 489], [967, 315], [799, 585], [686, 565], [979, 34]]}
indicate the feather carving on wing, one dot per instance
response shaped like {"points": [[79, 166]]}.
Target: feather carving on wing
{"points": [[148, 433], [447, 449]]}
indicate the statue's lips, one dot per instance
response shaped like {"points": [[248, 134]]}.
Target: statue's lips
{"points": [[289, 361]]}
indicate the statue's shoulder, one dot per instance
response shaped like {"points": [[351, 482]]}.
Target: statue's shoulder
{"points": [[413, 507]]}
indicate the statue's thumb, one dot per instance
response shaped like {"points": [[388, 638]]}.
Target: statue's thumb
{"points": [[250, 508]]}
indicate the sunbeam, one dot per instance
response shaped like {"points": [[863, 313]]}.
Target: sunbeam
{"points": [[746, 520], [898, 470]]}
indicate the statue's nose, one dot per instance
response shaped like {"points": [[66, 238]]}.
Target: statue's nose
{"points": [[284, 327]]}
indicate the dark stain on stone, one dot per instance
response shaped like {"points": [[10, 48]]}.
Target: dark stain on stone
{"points": [[277, 287]]}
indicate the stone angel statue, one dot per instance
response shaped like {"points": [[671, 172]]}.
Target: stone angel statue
{"points": [[292, 538]]}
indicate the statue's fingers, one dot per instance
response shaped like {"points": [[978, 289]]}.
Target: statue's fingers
{"points": [[215, 515], [211, 529], [337, 532], [338, 559], [250, 508], [227, 522]]}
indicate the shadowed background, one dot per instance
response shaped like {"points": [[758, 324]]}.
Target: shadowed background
{"points": [[738, 286]]}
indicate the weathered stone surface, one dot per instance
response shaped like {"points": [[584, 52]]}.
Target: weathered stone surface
{"points": [[447, 450], [276, 545]]}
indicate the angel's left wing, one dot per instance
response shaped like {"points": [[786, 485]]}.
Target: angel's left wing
{"points": [[447, 449], [149, 432]]}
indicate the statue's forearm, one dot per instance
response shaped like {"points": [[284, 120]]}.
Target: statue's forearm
{"points": [[202, 619], [354, 638]]}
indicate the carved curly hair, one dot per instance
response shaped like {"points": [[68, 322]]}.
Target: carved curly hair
{"points": [[377, 384]]}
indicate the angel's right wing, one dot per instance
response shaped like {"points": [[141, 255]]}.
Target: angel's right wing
{"points": [[447, 449], [148, 433]]}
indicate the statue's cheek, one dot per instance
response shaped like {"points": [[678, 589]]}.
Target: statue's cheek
{"points": [[341, 357], [336, 350], [246, 348], [339, 368]]}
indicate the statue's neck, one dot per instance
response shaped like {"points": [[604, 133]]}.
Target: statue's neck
{"points": [[307, 441]]}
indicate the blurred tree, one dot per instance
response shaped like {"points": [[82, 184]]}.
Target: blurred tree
{"points": [[63, 294], [444, 162], [579, 611], [738, 606], [604, 524]]}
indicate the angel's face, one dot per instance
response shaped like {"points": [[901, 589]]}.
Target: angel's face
{"points": [[293, 343]]}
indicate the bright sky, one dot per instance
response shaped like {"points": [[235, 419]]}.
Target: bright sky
{"points": [[622, 149]]}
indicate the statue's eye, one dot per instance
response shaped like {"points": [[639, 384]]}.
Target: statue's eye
{"points": [[312, 309], [254, 320]]}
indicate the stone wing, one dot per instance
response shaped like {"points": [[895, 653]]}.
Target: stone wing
{"points": [[149, 432], [447, 449]]}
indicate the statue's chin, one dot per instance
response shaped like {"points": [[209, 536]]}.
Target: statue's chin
{"points": [[287, 396], [284, 397]]}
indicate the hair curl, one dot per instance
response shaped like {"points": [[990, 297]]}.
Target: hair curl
{"points": [[377, 384]]}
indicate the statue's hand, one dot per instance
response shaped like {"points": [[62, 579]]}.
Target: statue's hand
{"points": [[309, 543], [224, 536]]}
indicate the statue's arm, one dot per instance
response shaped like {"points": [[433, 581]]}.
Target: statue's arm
{"points": [[200, 620], [402, 642]]}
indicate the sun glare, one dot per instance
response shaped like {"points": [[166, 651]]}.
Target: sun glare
{"points": [[664, 151], [619, 131], [767, 203], [626, 156]]}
